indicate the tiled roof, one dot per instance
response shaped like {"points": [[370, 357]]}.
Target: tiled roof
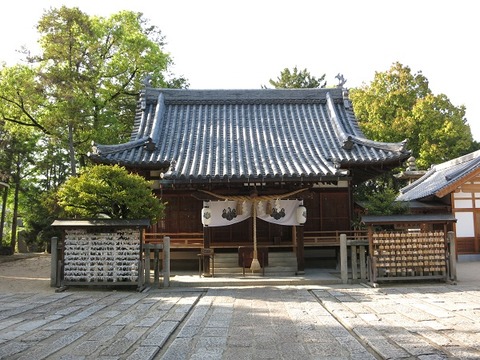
{"points": [[228, 135], [440, 177], [118, 223]]}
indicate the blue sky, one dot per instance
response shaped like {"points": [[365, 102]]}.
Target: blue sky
{"points": [[242, 44]]}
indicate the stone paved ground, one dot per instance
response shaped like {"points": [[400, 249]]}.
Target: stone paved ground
{"points": [[265, 322]]}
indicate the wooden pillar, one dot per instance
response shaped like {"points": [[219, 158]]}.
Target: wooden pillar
{"points": [[371, 263], [166, 261], [453, 256], [156, 265], [363, 263], [207, 235], [141, 270], [298, 236]]}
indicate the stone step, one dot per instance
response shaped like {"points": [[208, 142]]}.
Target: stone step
{"points": [[279, 264], [274, 272], [276, 259]]}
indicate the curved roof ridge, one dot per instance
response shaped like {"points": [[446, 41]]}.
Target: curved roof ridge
{"points": [[439, 178], [240, 95], [398, 146], [98, 149], [337, 126], [417, 182], [159, 110], [346, 136], [461, 171], [459, 160]]}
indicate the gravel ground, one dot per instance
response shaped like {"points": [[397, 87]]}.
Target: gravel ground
{"points": [[23, 273]]}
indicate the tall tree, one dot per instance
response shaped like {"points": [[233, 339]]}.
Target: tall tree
{"points": [[399, 105], [4, 182], [92, 69], [296, 79], [16, 159], [83, 85]]}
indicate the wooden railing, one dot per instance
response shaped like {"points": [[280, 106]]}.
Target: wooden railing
{"points": [[332, 238], [177, 240], [194, 240]]}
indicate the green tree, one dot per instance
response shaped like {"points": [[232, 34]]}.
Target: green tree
{"points": [[377, 196], [111, 191], [399, 105], [82, 85], [297, 79], [85, 82], [91, 69], [4, 186], [20, 134], [39, 209]]}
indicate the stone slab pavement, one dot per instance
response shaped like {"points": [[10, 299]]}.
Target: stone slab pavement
{"points": [[398, 321]]}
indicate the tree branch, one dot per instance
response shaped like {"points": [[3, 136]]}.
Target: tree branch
{"points": [[21, 106]]}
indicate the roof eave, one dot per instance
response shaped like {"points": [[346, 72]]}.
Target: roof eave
{"points": [[98, 159], [253, 179]]}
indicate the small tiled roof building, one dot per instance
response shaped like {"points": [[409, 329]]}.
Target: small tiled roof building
{"points": [[199, 144], [455, 186]]}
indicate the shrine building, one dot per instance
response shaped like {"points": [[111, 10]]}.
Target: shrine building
{"points": [[269, 169]]}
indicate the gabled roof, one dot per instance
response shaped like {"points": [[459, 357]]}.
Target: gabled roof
{"points": [[243, 135], [86, 223], [442, 179]]}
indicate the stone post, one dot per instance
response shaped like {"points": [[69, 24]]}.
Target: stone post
{"points": [[343, 258], [53, 261]]}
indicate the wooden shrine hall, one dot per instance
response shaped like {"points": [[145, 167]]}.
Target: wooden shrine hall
{"points": [[267, 170]]}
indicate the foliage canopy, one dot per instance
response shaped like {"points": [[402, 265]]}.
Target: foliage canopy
{"points": [[297, 79], [399, 105], [109, 190], [82, 85]]}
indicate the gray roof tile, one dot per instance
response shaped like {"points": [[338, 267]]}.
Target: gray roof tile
{"points": [[248, 134], [440, 176]]}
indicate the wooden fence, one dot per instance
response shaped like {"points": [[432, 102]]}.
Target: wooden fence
{"points": [[153, 262], [357, 260]]}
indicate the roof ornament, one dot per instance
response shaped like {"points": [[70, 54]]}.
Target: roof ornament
{"points": [[346, 99], [348, 143], [95, 149], [171, 170], [150, 145], [341, 80], [147, 81]]}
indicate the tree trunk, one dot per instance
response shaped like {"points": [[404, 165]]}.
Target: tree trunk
{"points": [[4, 211], [73, 166], [16, 179]]}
